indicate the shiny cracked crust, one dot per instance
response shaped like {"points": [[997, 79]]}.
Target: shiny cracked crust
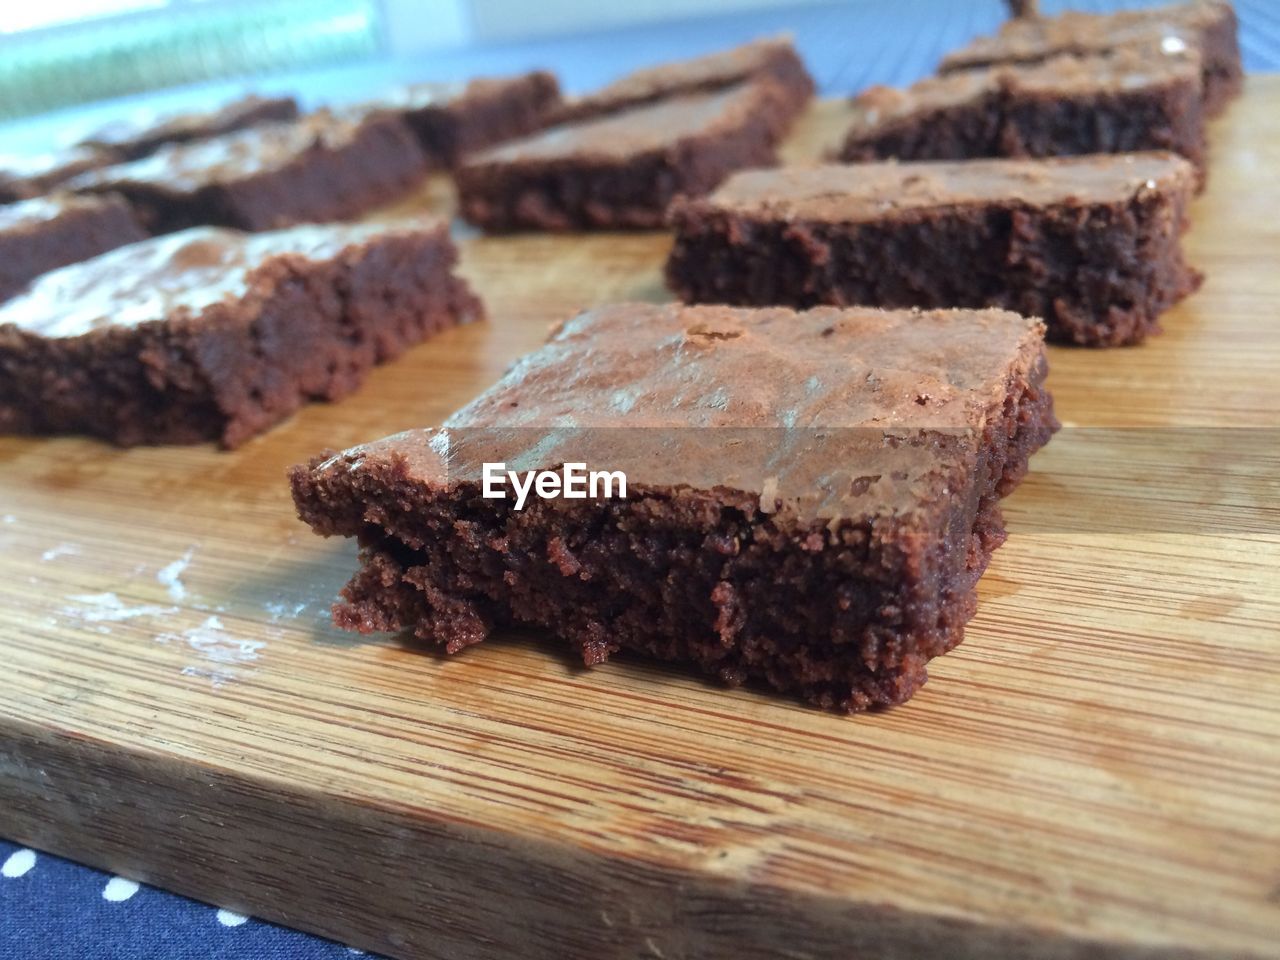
{"points": [[198, 336]]}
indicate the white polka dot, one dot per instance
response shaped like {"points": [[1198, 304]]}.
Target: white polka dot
{"points": [[229, 919], [119, 889], [19, 862]]}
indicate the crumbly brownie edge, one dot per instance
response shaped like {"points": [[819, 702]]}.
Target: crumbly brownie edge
{"points": [[632, 193], [690, 576], [76, 234], [1100, 275], [236, 369], [955, 132], [1167, 117]]}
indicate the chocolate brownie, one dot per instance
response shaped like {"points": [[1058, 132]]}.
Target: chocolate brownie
{"points": [[810, 497], [23, 176], [145, 131], [212, 334], [773, 59], [1134, 99], [318, 169], [1209, 27], [1091, 244], [621, 171], [45, 233], [452, 120]]}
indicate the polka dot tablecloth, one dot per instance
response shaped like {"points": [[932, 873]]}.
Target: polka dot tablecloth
{"points": [[51, 908]]}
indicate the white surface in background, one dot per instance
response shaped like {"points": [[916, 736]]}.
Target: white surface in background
{"points": [[413, 26], [503, 20], [15, 16]]}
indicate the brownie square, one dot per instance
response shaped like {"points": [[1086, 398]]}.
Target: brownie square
{"points": [[321, 168], [773, 59], [810, 497], [212, 334], [621, 171], [1091, 244], [23, 176], [453, 120], [45, 233], [1209, 27], [145, 131], [1131, 100]]}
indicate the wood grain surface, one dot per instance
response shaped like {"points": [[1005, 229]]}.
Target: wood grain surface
{"points": [[1095, 772]]}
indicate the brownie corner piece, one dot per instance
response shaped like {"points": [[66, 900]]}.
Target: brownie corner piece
{"points": [[44, 233], [809, 506], [214, 334], [622, 170]]}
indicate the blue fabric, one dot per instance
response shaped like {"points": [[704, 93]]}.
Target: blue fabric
{"points": [[56, 909], [52, 908]]}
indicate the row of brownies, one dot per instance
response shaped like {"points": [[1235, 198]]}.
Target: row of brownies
{"points": [[815, 444]]}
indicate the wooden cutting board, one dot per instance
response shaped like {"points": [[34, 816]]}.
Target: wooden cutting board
{"points": [[1094, 773]]}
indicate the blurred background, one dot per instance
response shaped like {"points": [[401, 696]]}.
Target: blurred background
{"points": [[60, 54]]}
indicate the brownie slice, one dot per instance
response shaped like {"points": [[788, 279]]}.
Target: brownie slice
{"points": [[772, 59], [23, 176], [621, 171], [810, 497], [1091, 244], [452, 120], [45, 233], [1134, 99], [212, 334], [321, 168], [145, 131], [1209, 27]]}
